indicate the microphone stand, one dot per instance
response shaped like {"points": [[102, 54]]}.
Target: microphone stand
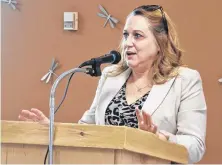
{"points": [[52, 104]]}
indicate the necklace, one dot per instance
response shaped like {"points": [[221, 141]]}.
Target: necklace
{"points": [[139, 89]]}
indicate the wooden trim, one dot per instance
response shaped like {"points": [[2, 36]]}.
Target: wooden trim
{"points": [[149, 144]]}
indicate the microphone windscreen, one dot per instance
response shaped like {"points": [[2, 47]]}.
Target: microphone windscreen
{"points": [[117, 56]]}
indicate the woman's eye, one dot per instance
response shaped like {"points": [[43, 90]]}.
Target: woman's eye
{"points": [[137, 35], [125, 35]]}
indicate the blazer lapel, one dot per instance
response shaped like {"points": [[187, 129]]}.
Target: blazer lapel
{"points": [[157, 96]]}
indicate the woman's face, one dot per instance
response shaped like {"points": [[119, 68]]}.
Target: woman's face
{"points": [[140, 46]]}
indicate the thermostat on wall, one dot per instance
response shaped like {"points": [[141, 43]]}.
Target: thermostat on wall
{"points": [[70, 21]]}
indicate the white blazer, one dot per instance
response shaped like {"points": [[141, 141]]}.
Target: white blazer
{"points": [[177, 107]]}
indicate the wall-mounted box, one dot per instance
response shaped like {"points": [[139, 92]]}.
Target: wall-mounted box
{"points": [[70, 20]]}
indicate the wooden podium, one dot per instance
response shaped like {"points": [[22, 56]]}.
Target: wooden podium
{"points": [[27, 142]]}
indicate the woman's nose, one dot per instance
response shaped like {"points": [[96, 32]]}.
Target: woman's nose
{"points": [[129, 41]]}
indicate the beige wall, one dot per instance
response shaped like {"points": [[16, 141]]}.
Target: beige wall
{"points": [[32, 36]]}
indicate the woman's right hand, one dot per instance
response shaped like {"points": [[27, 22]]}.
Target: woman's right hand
{"points": [[33, 115]]}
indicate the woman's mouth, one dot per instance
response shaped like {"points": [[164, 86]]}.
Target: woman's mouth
{"points": [[128, 53]]}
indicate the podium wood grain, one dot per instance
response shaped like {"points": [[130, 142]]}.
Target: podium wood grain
{"points": [[27, 142]]}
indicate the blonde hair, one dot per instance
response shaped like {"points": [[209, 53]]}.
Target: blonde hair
{"points": [[169, 59]]}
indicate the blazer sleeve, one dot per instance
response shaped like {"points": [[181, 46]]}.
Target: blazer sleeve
{"points": [[191, 118], [89, 115]]}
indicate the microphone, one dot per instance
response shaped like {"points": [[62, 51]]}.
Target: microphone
{"points": [[113, 57]]}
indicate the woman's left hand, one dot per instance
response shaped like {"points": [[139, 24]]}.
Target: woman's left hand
{"points": [[145, 123]]}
